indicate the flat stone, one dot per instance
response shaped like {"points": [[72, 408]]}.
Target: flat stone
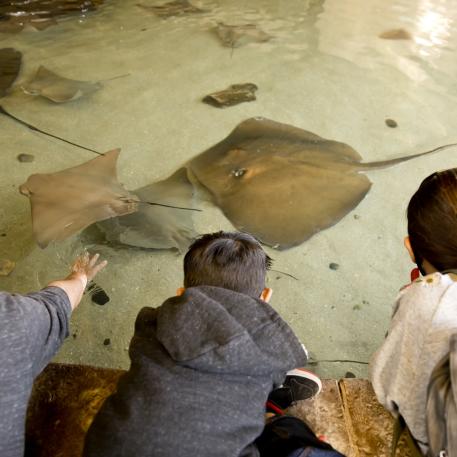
{"points": [[64, 401], [233, 95], [325, 415], [26, 158], [391, 123]]}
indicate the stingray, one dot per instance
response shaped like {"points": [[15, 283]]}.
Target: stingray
{"points": [[57, 88], [40, 14], [156, 227], [10, 64], [234, 36], [65, 202], [233, 95], [281, 183], [175, 8]]}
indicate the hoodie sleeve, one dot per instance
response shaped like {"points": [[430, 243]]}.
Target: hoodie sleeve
{"points": [[32, 328], [34, 325]]}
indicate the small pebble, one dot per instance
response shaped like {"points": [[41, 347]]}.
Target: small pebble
{"points": [[6, 267], [349, 374], [26, 158], [106, 342], [334, 266], [356, 216], [391, 123]]}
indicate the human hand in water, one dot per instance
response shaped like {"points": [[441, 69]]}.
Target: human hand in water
{"points": [[87, 265], [83, 270]]}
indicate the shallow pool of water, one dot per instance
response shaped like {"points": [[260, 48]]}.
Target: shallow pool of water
{"points": [[325, 70]]}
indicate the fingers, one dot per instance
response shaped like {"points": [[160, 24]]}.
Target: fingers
{"points": [[88, 265], [97, 268], [93, 260]]}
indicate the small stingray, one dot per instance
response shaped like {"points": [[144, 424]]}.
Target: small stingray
{"points": [[10, 64], [234, 36], [395, 34], [174, 8], [67, 201], [281, 183], [40, 14], [57, 88], [155, 226], [233, 95]]}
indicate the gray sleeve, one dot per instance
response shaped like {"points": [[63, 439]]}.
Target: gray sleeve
{"points": [[34, 324], [32, 328], [47, 323]]}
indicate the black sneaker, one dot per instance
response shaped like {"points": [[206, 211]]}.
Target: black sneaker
{"points": [[299, 384]]}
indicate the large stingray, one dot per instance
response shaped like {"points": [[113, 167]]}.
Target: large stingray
{"points": [[281, 183], [67, 201]]}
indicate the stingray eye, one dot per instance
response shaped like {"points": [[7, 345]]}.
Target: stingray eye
{"points": [[238, 172]]}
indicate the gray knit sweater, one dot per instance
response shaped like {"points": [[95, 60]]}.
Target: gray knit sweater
{"points": [[32, 328], [202, 366]]}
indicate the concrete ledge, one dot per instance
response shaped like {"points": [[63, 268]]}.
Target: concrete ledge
{"points": [[65, 399]]}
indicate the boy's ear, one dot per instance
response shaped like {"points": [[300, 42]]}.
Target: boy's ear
{"points": [[180, 291], [408, 247], [266, 294]]}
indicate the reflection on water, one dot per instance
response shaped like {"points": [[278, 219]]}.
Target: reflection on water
{"points": [[325, 70]]}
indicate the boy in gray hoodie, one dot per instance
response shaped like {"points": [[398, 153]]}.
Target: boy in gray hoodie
{"points": [[203, 363]]}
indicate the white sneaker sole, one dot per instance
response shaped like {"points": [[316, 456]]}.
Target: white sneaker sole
{"points": [[302, 373]]}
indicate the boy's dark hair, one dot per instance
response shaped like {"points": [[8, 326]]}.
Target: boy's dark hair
{"points": [[232, 260], [432, 220]]}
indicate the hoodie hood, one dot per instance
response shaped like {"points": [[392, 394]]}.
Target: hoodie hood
{"points": [[219, 330]]}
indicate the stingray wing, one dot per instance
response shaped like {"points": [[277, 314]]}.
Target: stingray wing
{"points": [[65, 202]]}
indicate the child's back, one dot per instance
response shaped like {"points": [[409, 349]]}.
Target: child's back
{"points": [[202, 367]]}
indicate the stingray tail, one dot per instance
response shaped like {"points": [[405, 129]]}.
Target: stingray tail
{"points": [[36, 129], [389, 163]]}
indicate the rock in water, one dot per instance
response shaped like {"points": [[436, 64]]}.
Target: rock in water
{"points": [[6, 267], [233, 95], [391, 123], [25, 158]]}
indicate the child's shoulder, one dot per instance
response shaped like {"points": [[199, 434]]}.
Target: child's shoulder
{"points": [[434, 283]]}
